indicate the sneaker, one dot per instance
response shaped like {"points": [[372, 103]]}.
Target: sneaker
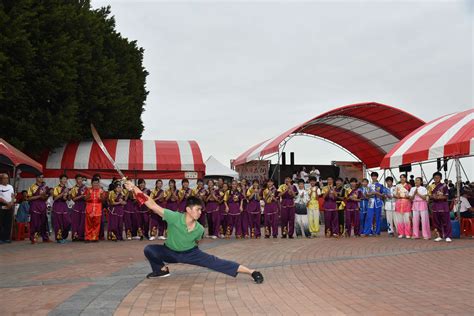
{"points": [[257, 277], [137, 238], [448, 239], [161, 237], [129, 238], [159, 274], [152, 238], [408, 237], [213, 237], [438, 239], [400, 236]]}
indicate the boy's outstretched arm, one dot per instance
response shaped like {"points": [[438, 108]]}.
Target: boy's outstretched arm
{"points": [[149, 202]]}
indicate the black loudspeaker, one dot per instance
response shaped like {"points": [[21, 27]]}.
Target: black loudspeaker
{"points": [[405, 168], [445, 164], [292, 158], [438, 164], [283, 159]]}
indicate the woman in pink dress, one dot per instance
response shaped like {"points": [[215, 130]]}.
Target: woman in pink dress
{"points": [[419, 197], [403, 208]]}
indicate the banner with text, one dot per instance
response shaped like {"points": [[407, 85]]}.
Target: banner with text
{"points": [[255, 169]]}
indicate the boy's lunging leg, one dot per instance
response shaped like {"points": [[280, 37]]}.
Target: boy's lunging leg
{"points": [[231, 268], [158, 256]]}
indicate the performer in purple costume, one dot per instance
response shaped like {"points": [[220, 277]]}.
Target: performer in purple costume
{"points": [[224, 194], [253, 209], [157, 224], [183, 194], [116, 206], [60, 215], [212, 199], [234, 209], [37, 195], [200, 192], [351, 213], [331, 219], [130, 216], [171, 196], [287, 194], [143, 215], [271, 210], [438, 193], [78, 217]]}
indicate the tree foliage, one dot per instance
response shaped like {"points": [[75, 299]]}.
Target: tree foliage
{"points": [[62, 66]]}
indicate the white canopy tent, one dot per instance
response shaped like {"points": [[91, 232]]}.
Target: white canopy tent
{"points": [[214, 168]]}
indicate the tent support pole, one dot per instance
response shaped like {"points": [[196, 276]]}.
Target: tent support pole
{"points": [[445, 160], [394, 178], [464, 171], [458, 186], [13, 207], [276, 168], [279, 166], [423, 173], [450, 169], [278, 163]]}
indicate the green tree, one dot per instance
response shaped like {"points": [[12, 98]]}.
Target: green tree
{"points": [[62, 66]]}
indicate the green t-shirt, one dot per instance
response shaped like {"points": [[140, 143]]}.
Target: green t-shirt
{"points": [[179, 238]]}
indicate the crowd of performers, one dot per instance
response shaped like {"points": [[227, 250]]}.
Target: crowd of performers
{"points": [[235, 209]]}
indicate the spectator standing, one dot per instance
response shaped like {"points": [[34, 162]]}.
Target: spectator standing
{"points": [[301, 217], [412, 181], [7, 200], [304, 174], [23, 213], [315, 173]]}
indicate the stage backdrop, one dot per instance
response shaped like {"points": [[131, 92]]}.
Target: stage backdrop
{"points": [[350, 169], [255, 169]]}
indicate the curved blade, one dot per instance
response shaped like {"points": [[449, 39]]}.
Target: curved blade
{"points": [[104, 150]]}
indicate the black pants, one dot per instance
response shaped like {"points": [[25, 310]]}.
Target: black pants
{"points": [[5, 223]]}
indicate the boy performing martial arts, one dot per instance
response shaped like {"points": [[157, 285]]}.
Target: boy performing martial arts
{"points": [[184, 232]]}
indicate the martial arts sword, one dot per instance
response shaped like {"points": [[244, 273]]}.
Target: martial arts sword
{"points": [[104, 150], [141, 197]]}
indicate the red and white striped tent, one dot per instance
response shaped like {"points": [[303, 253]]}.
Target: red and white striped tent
{"points": [[448, 136], [148, 159], [367, 130]]}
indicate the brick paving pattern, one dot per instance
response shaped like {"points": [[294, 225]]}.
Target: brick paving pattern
{"points": [[378, 276]]}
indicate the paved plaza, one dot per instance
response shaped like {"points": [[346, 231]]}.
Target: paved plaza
{"points": [[377, 276]]}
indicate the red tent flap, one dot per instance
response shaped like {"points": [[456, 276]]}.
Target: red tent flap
{"points": [[10, 155]]}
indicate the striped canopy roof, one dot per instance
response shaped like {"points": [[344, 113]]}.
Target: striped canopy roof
{"points": [[450, 135], [130, 154], [367, 130]]}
